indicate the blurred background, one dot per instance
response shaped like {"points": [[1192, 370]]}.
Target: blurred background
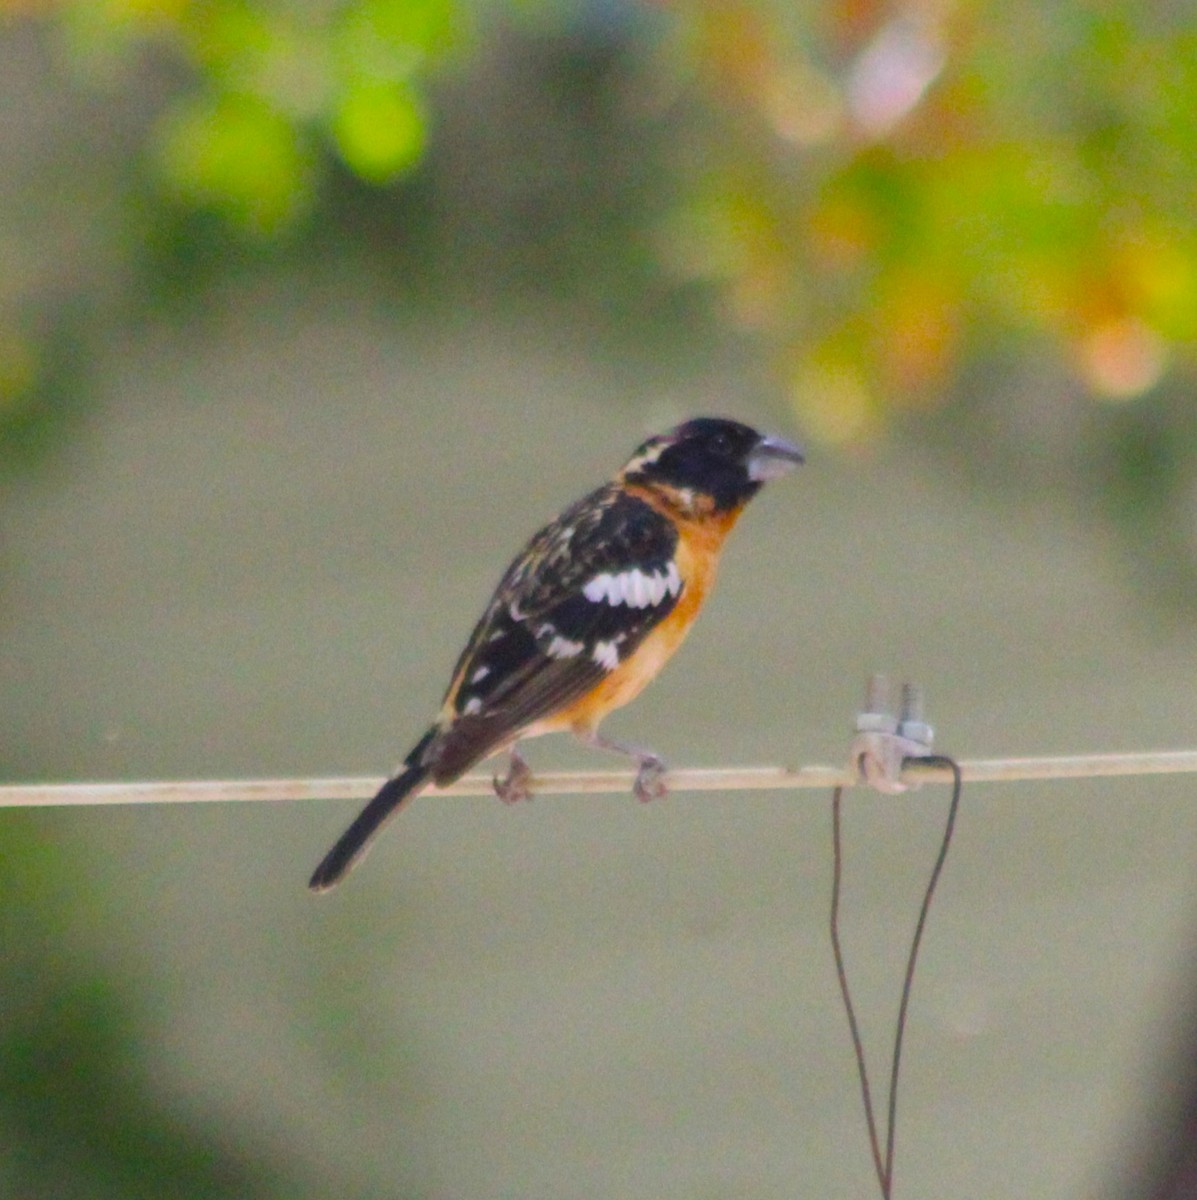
{"points": [[311, 312]]}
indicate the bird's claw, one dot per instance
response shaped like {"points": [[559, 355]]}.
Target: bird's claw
{"points": [[513, 787], [650, 779]]}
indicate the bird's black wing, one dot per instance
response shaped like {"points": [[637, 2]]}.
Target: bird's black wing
{"points": [[575, 604]]}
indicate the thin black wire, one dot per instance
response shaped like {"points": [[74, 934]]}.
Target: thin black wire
{"points": [[885, 1166], [842, 972]]}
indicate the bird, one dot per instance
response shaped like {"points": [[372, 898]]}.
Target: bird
{"points": [[585, 617]]}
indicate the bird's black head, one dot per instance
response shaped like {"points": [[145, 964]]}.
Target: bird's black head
{"points": [[713, 459]]}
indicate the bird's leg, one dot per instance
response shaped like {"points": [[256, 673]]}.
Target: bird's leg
{"points": [[513, 787], [650, 778]]}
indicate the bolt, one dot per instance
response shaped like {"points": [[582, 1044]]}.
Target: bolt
{"points": [[876, 717], [911, 722]]}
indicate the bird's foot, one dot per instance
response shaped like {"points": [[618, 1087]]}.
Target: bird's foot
{"points": [[650, 779], [513, 787]]}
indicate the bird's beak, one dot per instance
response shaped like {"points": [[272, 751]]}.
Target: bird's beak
{"points": [[771, 457]]}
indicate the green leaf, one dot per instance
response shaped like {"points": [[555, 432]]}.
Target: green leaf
{"points": [[237, 155], [380, 130]]}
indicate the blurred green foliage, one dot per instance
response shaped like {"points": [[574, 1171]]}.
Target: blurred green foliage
{"points": [[894, 189], [890, 202], [73, 1104], [270, 88]]}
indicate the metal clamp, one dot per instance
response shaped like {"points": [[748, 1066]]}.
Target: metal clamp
{"points": [[884, 741]]}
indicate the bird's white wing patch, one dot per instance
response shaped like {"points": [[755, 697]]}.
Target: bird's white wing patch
{"points": [[606, 654], [556, 644], [634, 587], [563, 647], [598, 589], [673, 581]]}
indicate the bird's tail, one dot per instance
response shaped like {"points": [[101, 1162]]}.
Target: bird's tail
{"points": [[352, 844]]}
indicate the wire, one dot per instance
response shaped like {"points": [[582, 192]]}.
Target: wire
{"points": [[916, 942], [884, 1164], [577, 783], [841, 970]]}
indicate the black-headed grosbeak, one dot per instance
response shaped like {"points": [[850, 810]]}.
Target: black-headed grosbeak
{"points": [[586, 616]]}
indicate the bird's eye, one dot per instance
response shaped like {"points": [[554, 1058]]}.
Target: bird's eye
{"points": [[721, 443]]}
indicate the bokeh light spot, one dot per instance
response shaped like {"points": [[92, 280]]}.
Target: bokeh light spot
{"points": [[380, 130], [1122, 358]]}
